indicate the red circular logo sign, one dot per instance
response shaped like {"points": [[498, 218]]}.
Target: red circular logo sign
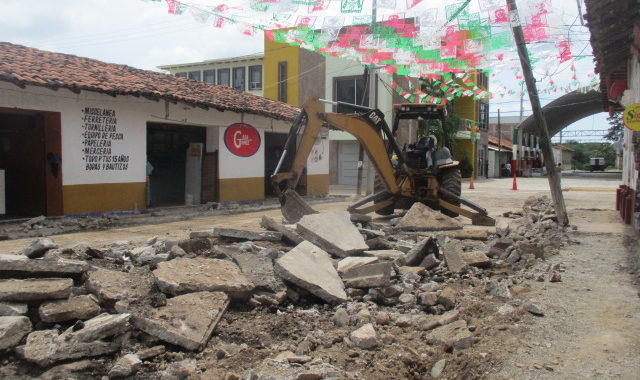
{"points": [[242, 139]]}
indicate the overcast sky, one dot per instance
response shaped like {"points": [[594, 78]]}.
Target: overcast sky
{"points": [[142, 34]]}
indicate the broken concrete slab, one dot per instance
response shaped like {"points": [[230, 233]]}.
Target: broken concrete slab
{"points": [[369, 276], [38, 247], [64, 371], [333, 232], [206, 234], [476, 259], [35, 289], [111, 286], [8, 309], [418, 271], [365, 337], [187, 320], [385, 254], [247, 235], [45, 347], [259, 269], [12, 330], [79, 307], [125, 366], [430, 262], [310, 268], [371, 234], [420, 250], [102, 326], [428, 298], [353, 262], [447, 297], [456, 334], [452, 252], [422, 218], [502, 228], [183, 275], [464, 234], [39, 267], [530, 249], [287, 233], [499, 290], [151, 352]]}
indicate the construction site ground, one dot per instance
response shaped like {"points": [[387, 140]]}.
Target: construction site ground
{"points": [[590, 328]]}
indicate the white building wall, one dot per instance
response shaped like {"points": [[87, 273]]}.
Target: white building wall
{"points": [[132, 114], [340, 67]]}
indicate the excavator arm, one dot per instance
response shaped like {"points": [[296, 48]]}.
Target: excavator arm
{"points": [[367, 128]]}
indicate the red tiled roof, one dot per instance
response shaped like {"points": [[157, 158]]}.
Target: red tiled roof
{"points": [[23, 65], [563, 147], [504, 142]]}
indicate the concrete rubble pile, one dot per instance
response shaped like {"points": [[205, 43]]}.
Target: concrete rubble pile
{"points": [[134, 305]]}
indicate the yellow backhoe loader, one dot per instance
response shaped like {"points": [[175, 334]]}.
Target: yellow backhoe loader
{"points": [[420, 172]]}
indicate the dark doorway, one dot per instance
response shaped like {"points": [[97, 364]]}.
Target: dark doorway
{"points": [[166, 152], [273, 148], [22, 156]]}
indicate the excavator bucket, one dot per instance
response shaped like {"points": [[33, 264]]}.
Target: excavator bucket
{"points": [[293, 207]]}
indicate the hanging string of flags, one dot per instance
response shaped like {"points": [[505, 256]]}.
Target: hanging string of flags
{"points": [[445, 41]]}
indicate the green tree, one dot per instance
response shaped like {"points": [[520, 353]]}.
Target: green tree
{"points": [[616, 128]]}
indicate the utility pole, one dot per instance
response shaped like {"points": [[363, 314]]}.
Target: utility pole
{"points": [[372, 96], [369, 75], [499, 145], [554, 178]]}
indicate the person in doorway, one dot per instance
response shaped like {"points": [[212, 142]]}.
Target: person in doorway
{"points": [[507, 169]]}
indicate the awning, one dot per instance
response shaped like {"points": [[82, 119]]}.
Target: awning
{"points": [[495, 148]]}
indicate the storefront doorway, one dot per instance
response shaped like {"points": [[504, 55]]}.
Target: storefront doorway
{"points": [[168, 148]]}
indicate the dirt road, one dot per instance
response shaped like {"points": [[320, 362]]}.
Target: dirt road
{"points": [[591, 327]]}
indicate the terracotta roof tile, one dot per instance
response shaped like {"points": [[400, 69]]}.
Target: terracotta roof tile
{"points": [[23, 65], [504, 142]]}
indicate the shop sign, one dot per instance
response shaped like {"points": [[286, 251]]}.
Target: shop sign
{"points": [[242, 139], [631, 117]]}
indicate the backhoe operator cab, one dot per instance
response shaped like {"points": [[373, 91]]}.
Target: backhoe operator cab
{"points": [[420, 172], [424, 154]]}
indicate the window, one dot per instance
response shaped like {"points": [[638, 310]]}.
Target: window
{"points": [[238, 78], [224, 77], [181, 75], [350, 90], [255, 77], [194, 75], [483, 80], [209, 76], [282, 81], [483, 116]]}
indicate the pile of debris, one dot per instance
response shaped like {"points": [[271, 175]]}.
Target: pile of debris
{"points": [[133, 305]]}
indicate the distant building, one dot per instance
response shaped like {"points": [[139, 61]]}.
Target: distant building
{"points": [[563, 155], [242, 73], [526, 147]]}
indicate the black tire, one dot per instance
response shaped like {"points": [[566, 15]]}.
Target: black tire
{"points": [[378, 185], [451, 180]]}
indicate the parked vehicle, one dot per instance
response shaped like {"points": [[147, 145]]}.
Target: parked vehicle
{"points": [[597, 163]]}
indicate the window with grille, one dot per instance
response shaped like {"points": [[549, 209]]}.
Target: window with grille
{"points": [[209, 76], [350, 90], [238, 78], [282, 81], [255, 77], [194, 75], [224, 77]]}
